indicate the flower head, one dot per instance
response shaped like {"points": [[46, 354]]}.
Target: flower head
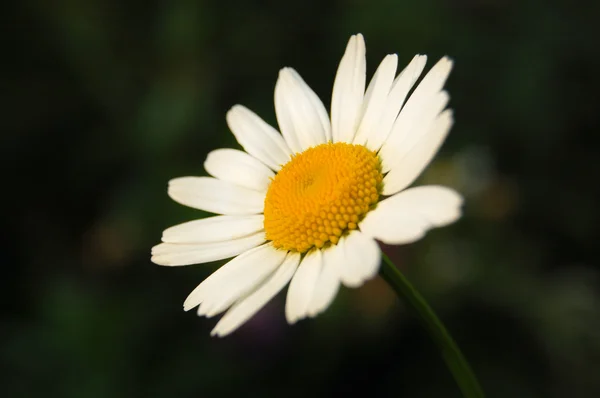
{"points": [[306, 206]]}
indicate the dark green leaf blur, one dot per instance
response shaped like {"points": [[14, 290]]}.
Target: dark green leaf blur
{"points": [[103, 101]]}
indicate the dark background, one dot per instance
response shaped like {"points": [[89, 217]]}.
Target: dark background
{"points": [[103, 101]]}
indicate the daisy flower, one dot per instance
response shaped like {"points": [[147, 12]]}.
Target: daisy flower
{"points": [[307, 205]]}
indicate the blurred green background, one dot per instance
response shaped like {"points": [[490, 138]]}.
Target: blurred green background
{"points": [[104, 101]]}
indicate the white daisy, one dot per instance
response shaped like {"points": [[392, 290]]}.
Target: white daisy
{"points": [[308, 205]]}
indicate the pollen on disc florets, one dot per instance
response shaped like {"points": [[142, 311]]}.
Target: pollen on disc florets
{"points": [[321, 194]]}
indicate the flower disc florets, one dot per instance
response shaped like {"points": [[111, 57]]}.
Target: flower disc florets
{"points": [[321, 194]]}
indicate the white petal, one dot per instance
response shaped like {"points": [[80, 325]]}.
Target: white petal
{"points": [[415, 112], [328, 282], [258, 138], [348, 91], [402, 85], [185, 254], [410, 166], [375, 99], [361, 259], [245, 308], [302, 286], [234, 279], [406, 217], [214, 229], [301, 115], [239, 168], [251, 272], [216, 196], [427, 118]]}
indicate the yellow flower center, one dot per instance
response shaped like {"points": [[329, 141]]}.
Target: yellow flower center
{"points": [[320, 195]]}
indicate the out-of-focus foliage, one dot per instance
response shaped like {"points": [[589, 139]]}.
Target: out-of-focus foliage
{"points": [[105, 101]]}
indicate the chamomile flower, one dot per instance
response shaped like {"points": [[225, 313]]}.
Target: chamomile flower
{"points": [[307, 205]]}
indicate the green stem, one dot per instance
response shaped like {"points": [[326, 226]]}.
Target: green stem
{"points": [[455, 360]]}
